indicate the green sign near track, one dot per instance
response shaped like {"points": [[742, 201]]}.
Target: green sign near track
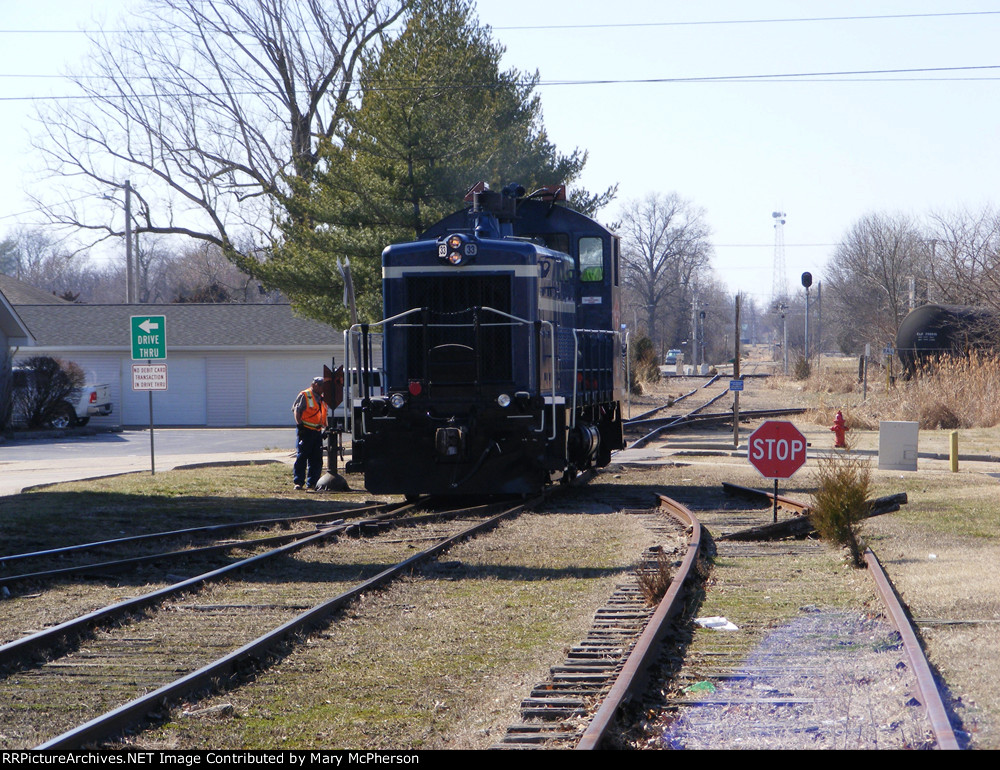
{"points": [[149, 337]]}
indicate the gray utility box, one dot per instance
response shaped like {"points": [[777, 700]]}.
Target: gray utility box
{"points": [[897, 445]]}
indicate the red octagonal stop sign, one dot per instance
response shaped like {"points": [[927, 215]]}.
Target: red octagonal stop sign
{"points": [[777, 449]]}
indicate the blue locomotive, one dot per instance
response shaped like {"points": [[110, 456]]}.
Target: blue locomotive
{"points": [[504, 362]]}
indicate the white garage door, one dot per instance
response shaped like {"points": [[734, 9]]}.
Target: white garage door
{"points": [[184, 402], [273, 381]]}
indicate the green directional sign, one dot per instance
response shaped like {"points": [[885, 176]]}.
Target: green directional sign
{"points": [[149, 337]]}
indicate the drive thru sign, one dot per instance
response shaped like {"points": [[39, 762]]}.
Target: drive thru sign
{"points": [[149, 337], [777, 449]]}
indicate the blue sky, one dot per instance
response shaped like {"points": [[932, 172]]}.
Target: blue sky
{"points": [[826, 153]]}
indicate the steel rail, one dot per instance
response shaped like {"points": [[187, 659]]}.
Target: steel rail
{"points": [[653, 434], [745, 416], [208, 550], [634, 674], [117, 565], [785, 502], [656, 409], [930, 695], [50, 637], [926, 685], [209, 529], [126, 715]]}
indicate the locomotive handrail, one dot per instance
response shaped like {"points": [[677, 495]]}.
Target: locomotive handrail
{"points": [[361, 329], [615, 335]]}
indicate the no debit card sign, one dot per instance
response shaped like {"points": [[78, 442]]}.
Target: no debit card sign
{"points": [[149, 376]]}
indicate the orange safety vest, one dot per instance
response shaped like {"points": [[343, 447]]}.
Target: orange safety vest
{"points": [[314, 412]]}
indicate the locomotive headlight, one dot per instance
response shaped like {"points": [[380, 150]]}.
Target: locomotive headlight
{"points": [[397, 400], [456, 249], [503, 400]]}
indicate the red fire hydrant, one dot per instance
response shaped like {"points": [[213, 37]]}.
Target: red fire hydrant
{"points": [[840, 431]]}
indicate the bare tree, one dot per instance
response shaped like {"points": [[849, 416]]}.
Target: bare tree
{"points": [[203, 271], [715, 330], [665, 245], [208, 107], [869, 278], [964, 263], [37, 258]]}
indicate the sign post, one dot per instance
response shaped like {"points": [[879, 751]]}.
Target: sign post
{"points": [[149, 342], [777, 449]]}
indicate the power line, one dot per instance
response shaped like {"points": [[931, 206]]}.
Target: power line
{"points": [[623, 25], [771, 245], [794, 77], [780, 20]]}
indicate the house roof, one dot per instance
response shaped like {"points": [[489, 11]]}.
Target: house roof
{"points": [[21, 293], [68, 325], [13, 330]]}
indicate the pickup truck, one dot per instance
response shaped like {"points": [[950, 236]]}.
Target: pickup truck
{"points": [[93, 400]]}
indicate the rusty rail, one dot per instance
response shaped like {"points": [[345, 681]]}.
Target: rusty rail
{"points": [[929, 693], [633, 676], [220, 670]]}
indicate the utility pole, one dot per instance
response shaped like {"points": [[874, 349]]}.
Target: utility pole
{"points": [[736, 376], [694, 331], [779, 286], [819, 320], [129, 275]]}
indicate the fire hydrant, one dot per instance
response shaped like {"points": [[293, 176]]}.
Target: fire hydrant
{"points": [[840, 431]]}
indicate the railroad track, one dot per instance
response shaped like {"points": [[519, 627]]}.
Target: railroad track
{"points": [[118, 675], [930, 695], [579, 704], [94, 602], [657, 426], [147, 548], [797, 673]]}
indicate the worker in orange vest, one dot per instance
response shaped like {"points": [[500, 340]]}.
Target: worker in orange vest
{"points": [[310, 421]]}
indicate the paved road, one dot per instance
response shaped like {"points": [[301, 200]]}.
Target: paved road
{"points": [[28, 462]]}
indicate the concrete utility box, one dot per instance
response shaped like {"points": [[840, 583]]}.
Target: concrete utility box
{"points": [[897, 446]]}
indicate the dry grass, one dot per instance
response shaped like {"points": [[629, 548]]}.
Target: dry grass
{"points": [[654, 580], [953, 393], [440, 660]]}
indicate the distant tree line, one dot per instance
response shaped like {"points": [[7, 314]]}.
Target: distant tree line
{"points": [[198, 272], [888, 263]]}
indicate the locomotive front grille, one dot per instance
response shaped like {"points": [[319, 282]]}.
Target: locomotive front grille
{"points": [[445, 345]]}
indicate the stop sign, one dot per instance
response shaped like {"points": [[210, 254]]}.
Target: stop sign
{"points": [[776, 449]]}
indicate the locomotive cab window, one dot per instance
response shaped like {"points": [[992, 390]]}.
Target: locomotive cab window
{"points": [[591, 260], [557, 242]]}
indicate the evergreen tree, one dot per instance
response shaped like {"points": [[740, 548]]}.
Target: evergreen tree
{"points": [[437, 114]]}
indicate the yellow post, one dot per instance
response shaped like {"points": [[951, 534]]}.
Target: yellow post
{"points": [[953, 450]]}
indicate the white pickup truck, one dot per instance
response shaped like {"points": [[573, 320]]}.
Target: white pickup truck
{"points": [[94, 400]]}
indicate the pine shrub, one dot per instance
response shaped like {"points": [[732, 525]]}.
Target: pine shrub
{"points": [[842, 502]]}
